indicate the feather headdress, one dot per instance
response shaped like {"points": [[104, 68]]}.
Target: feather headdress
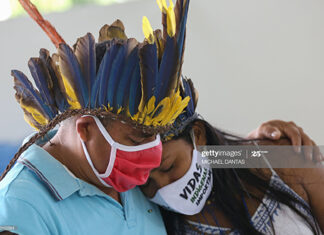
{"points": [[138, 82], [189, 114]]}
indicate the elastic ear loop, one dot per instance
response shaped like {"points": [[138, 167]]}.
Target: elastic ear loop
{"points": [[112, 156], [85, 150], [122, 147], [111, 142]]}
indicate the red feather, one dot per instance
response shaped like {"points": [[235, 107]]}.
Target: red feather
{"points": [[44, 24]]}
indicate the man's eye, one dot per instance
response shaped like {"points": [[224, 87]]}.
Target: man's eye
{"points": [[167, 169], [135, 142]]}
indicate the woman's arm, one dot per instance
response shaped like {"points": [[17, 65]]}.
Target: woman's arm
{"points": [[306, 182], [309, 184], [313, 183]]}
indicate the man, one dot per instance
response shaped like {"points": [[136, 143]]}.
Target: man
{"points": [[111, 100]]}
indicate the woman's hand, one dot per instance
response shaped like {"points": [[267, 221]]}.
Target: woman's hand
{"points": [[277, 129]]}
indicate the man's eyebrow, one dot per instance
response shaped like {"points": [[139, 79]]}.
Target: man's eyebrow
{"points": [[142, 134], [147, 135]]}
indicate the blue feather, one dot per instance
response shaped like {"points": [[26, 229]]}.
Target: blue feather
{"points": [[135, 91], [31, 96], [94, 93], [114, 73], [149, 70], [122, 93], [103, 75], [85, 52], [60, 99], [181, 35], [43, 82], [101, 61], [168, 71], [71, 70], [190, 109]]}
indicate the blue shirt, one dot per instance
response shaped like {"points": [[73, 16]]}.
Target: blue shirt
{"points": [[40, 196]]}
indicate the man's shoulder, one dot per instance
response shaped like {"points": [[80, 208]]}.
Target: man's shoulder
{"points": [[22, 201], [22, 184]]}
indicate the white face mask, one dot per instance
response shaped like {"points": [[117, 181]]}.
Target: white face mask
{"points": [[188, 194]]}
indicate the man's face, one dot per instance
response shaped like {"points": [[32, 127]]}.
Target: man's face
{"points": [[99, 148], [122, 133]]}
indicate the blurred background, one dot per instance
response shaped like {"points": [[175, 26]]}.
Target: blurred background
{"points": [[251, 60]]}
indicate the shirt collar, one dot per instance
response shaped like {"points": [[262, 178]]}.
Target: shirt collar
{"points": [[57, 178]]}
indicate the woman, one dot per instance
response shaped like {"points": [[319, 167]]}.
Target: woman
{"points": [[235, 201]]}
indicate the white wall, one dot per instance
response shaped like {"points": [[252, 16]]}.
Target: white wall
{"points": [[251, 60]]}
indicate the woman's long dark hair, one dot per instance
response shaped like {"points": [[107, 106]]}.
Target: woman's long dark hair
{"points": [[227, 195]]}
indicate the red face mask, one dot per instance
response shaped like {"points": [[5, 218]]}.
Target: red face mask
{"points": [[128, 166]]}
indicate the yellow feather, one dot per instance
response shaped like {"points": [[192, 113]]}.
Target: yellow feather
{"points": [[151, 105], [160, 46], [169, 137], [142, 114], [29, 122], [171, 20], [73, 100], [148, 121], [119, 110], [147, 30], [135, 116], [108, 108], [164, 112], [162, 5], [175, 102], [179, 110], [145, 109], [141, 105], [171, 4], [38, 117], [172, 108]]}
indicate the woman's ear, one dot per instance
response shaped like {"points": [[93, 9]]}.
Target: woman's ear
{"points": [[83, 126], [200, 133]]}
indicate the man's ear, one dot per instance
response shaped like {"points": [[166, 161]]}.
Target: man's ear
{"points": [[200, 133], [83, 127]]}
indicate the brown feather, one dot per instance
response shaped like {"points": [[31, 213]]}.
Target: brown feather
{"points": [[58, 89], [178, 15], [55, 66], [165, 26], [109, 32], [160, 43], [194, 91], [26, 99]]}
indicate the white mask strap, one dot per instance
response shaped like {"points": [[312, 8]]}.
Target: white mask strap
{"points": [[110, 164], [102, 130], [122, 147]]}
